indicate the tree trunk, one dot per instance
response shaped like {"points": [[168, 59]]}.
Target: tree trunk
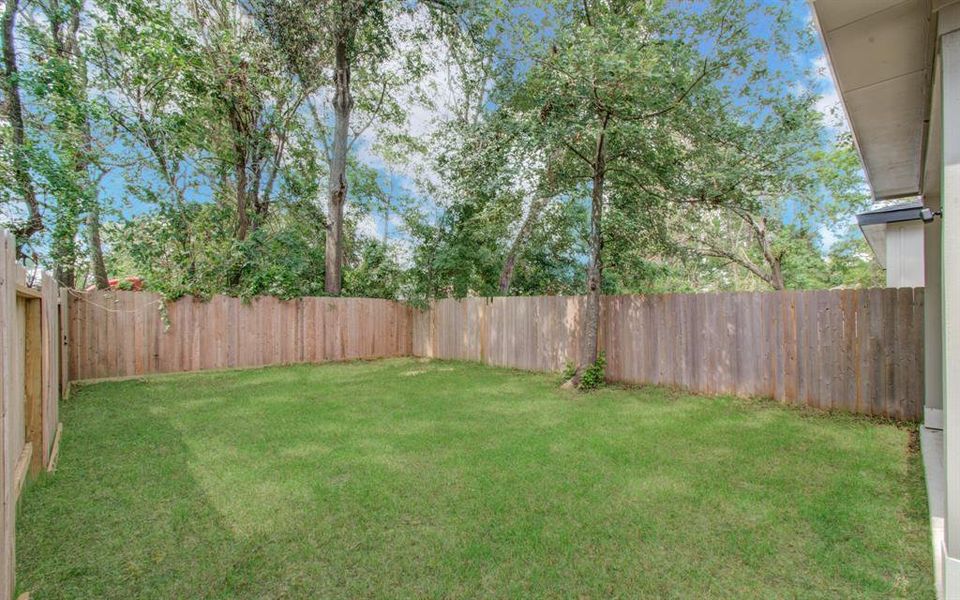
{"points": [[386, 224], [589, 348], [97, 264], [73, 124], [510, 263], [774, 261], [96, 247], [776, 275], [342, 106], [14, 105], [386, 215], [240, 173], [63, 243], [543, 196], [66, 275], [83, 164]]}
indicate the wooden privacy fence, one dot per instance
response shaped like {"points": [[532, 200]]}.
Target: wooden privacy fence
{"points": [[854, 350], [121, 333], [32, 378]]}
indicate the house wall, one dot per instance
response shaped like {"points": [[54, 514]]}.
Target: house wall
{"points": [[905, 254], [932, 314], [933, 326], [949, 30], [933, 323]]}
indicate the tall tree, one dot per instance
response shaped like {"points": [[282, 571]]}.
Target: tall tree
{"points": [[20, 147], [254, 106], [338, 34], [363, 52], [64, 160], [207, 112], [794, 182], [67, 63], [608, 85], [347, 17], [640, 100]]}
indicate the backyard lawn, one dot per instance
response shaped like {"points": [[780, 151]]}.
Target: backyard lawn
{"points": [[404, 478]]}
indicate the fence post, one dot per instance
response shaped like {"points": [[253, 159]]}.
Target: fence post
{"points": [[8, 299], [64, 329]]}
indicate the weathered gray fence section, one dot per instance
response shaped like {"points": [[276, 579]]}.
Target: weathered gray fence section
{"points": [[122, 333], [30, 391], [854, 350], [536, 333]]}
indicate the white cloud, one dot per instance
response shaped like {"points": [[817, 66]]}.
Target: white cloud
{"points": [[368, 227], [430, 104], [423, 119], [828, 102], [827, 237]]}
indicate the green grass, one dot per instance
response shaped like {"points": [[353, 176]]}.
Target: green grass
{"points": [[410, 479]]}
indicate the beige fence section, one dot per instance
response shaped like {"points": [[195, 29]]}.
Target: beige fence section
{"points": [[31, 381], [121, 333], [854, 350]]}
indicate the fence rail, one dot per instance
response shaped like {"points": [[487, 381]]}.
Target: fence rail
{"points": [[854, 350], [122, 333]]}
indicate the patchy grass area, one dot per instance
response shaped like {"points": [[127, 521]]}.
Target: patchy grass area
{"points": [[403, 478]]}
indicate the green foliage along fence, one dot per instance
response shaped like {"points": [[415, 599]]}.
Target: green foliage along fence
{"points": [[853, 350]]}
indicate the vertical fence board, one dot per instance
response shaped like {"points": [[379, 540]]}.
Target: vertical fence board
{"points": [[33, 379], [63, 338]]}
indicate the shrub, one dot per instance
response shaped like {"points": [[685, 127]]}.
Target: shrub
{"points": [[568, 372], [593, 378], [595, 375]]}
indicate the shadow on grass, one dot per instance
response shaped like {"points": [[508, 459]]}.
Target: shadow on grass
{"points": [[123, 517]]}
